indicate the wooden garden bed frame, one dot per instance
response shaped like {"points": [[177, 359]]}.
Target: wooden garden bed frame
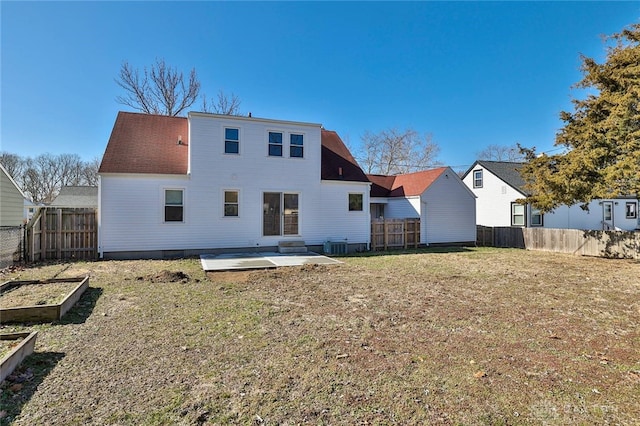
{"points": [[13, 359], [42, 313]]}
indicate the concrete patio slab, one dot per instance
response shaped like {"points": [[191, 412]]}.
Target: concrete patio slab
{"points": [[243, 261]]}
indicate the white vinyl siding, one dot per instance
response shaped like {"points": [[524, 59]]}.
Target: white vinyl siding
{"points": [[323, 207], [493, 203], [575, 217], [493, 208], [448, 211], [401, 208]]}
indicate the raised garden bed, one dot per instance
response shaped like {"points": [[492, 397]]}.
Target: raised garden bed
{"points": [[41, 303], [14, 348]]}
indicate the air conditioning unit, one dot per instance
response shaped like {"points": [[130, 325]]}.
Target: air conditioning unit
{"points": [[335, 247]]}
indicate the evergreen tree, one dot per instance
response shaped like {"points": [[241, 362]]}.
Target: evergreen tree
{"points": [[601, 138]]}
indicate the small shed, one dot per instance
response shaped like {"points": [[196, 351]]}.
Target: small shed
{"points": [[438, 197]]}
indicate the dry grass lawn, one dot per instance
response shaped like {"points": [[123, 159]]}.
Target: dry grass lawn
{"points": [[474, 337]]}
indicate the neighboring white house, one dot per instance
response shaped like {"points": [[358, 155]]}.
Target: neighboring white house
{"points": [[498, 184], [11, 200], [445, 206], [206, 183]]}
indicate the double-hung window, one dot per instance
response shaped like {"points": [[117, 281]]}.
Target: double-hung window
{"points": [[275, 144], [231, 140], [536, 217], [477, 178], [296, 146], [517, 214], [173, 205], [231, 203]]}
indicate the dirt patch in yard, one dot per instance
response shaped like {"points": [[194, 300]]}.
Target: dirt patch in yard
{"points": [[478, 336], [166, 277], [223, 277]]}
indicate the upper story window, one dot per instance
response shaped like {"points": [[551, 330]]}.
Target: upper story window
{"points": [[275, 144], [296, 148], [173, 205], [231, 140], [477, 178]]}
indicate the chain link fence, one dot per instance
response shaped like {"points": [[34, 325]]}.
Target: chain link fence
{"points": [[11, 245]]}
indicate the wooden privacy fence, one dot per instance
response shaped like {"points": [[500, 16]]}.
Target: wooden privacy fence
{"points": [[395, 233], [62, 233], [613, 244], [500, 236]]}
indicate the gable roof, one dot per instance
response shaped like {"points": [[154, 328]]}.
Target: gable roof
{"points": [[145, 143], [508, 171], [406, 185], [77, 196], [337, 161]]}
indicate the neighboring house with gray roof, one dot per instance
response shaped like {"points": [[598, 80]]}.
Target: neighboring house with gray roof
{"points": [[498, 184], [77, 197]]}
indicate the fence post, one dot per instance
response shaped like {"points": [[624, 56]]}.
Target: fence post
{"points": [[59, 234], [404, 233], [385, 231], [43, 234]]}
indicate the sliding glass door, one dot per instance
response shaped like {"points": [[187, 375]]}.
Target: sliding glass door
{"points": [[280, 213]]}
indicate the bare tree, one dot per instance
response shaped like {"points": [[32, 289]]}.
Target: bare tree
{"points": [[395, 152], [42, 177], [90, 172], [227, 105], [159, 90], [501, 153], [13, 164], [70, 169]]}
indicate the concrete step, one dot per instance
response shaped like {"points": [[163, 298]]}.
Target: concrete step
{"points": [[288, 247]]}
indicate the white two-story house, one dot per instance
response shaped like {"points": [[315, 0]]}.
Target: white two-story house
{"points": [[498, 185], [206, 183]]}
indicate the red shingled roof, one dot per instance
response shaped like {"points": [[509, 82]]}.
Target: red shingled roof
{"points": [[337, 161], [410, 184], [144, 143]]}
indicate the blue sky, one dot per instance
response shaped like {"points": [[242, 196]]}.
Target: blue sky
{"points": [[470, 73]]}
